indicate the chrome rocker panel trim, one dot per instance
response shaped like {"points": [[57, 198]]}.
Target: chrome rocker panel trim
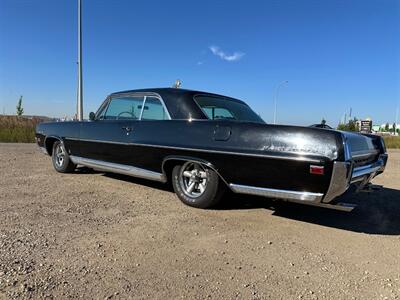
{"points": [[118, 168], [276, 193]]}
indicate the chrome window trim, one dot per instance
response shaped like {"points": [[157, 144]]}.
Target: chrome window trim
{"points": [[141, 111], [276, 193], [146, 94], [118, 168], [103, 106], [163, 105], [297, 158], [139, 94]]}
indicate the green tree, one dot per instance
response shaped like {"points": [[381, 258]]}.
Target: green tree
{"points": [[352, 125], [394, 128], [323, 121], [341, 126], [20, 109], [387, 127]]}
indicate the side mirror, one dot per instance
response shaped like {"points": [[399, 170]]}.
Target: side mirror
{"points": [[92, 116]]}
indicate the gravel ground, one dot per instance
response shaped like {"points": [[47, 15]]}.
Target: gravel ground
{"points": [[93, 235]]}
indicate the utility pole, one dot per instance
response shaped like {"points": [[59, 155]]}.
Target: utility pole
{"points": [[79, 108]]}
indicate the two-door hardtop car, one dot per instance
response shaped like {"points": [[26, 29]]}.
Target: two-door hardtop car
{"points": [[205, 143]]}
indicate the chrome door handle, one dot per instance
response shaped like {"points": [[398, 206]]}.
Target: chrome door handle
{"points": [[128, 129]]}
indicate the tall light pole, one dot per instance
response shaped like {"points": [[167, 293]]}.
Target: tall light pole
{"points": [[276, 97], [79, 108]]}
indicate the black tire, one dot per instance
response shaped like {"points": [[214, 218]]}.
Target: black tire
{"points": [[61, 161], [212, 187]]}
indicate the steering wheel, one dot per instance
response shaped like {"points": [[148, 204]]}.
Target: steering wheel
{"points": [[126, 112]]}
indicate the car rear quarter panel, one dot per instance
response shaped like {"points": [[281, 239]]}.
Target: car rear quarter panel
{"points": [[254, 154]]}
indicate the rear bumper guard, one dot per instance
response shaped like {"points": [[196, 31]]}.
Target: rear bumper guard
{"points": [[344, 174]]}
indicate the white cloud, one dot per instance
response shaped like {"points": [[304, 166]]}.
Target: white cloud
{"points": [[199, 63], [228, 57]]}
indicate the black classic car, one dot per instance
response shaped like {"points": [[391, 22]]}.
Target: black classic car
{"points": [[204, 144]]}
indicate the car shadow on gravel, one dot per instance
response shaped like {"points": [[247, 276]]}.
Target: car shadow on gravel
{"points": [[377, 212], [85, 170], [136, 180]]}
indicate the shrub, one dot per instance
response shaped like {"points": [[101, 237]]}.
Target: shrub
{"points": [[17, 129], [392, 141]]}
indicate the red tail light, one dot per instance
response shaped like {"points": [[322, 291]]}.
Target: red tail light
{"points": [[317, 170]]}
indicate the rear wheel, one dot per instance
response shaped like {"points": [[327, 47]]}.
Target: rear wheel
{"points": [[61, 161], [197, 185]]}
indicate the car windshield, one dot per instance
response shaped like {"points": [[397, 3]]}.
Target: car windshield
{"points": [[216, 108]]}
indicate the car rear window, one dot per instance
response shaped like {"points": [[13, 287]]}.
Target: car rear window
{"points": [[217, 108]]}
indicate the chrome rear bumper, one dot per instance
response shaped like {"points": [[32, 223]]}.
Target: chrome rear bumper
{"points": [[366, 171], [344, 174]]}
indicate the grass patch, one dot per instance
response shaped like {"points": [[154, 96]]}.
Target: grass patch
{"points": [[392, 142], [18, 129]]}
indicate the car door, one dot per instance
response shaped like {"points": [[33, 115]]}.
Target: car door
{"points": [[108, 137], [153, 126]]}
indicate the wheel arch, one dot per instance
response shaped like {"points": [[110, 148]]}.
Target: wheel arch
{"points": [[49, 142], [170, 161]]}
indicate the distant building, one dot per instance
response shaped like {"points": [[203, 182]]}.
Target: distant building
{"points": [[390, 126], [376, 128]]}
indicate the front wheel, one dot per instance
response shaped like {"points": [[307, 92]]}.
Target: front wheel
{"points": [[61, 161], [196, 185]]}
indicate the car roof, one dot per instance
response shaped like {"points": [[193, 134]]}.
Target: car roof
{"points": [[168, 91], [179, 102]]}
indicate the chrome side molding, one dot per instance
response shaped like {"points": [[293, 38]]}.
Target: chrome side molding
{"points": [[276, 193], [262, 155], [118, 168]]}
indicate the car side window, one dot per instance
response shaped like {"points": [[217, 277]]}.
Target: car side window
{"points": [[154, 110], [214, 113], [124, 108]]}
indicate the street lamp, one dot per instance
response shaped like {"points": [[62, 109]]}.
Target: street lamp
{"points": [[276, 97], [79, 108]]}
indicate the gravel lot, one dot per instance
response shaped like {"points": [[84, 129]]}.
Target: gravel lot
{"points": [[95, 235]]}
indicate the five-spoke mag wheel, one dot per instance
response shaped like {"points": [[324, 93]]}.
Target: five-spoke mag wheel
{"points": [[193, 179], [59, 155], [61, 160], [197, 185]]}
